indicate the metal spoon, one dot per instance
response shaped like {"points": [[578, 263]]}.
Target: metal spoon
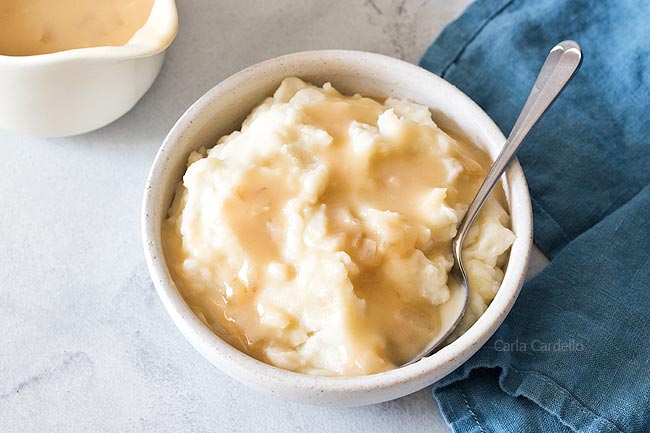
{"points": [[558, 69]]}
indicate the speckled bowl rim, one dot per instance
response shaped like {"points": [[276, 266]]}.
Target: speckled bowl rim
{"points": [[304, 388]]}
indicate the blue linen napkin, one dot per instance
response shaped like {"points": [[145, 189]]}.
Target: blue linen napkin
{"points": [[574, 354]]}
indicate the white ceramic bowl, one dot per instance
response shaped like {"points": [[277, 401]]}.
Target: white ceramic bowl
{"points": [[222, 109], [76, 91]]}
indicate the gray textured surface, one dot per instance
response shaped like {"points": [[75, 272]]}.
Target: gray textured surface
{"points": [[85, 342]]}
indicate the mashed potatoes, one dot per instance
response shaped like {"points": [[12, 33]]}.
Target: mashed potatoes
{"points": [[318, 238]]}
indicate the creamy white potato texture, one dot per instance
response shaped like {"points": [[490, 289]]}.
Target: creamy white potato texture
{"points": [[318, 238]]}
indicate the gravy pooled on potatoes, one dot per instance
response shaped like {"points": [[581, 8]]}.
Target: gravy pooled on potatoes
{"points": [[318, 238]]}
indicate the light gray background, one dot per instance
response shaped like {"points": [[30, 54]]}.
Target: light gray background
{"points": [[85, 343]]}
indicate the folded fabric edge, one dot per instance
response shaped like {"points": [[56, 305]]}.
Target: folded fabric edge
{"points": [[548, 234], [453, 40], [456, 410], [538, 388]]}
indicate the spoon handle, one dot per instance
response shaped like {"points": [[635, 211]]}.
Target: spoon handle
{"points": [[558, 69]]}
